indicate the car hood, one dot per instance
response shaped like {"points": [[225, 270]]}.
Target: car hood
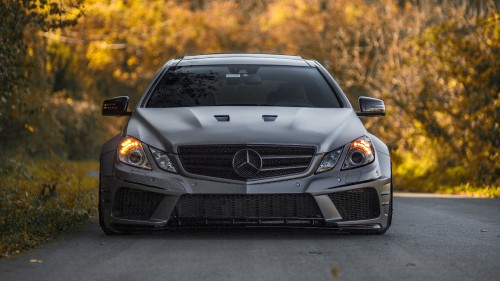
{"points": [[167, 128]]}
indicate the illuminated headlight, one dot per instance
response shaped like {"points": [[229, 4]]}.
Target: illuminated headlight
{"points": [[360, 153], [130, 152], [162, 160], [329, 160]]}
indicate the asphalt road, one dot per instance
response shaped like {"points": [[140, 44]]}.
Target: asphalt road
{"points": [[431, 239]]}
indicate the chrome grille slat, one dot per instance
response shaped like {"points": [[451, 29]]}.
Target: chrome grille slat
{"points": [[217, 160]]}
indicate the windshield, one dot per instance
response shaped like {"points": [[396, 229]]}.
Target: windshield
{"points": [[240, 85]]}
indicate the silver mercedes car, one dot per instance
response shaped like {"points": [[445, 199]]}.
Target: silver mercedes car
{"points": [[245, 140]]}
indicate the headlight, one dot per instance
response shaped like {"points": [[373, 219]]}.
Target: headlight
{"points": [[130, 152], [162, 160], [329, 160], [360, 153]]}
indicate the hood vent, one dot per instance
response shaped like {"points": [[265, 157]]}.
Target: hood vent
{"points": [[222, 118], [269, 118]]}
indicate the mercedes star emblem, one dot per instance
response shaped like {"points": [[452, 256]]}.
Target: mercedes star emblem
{"points": [[247, 163]]}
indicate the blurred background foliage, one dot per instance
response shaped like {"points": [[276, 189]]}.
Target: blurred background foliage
{"points": [[436, 64]]}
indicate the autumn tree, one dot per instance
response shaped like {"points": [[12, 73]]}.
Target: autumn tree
{"points": [[25, 123], [446, 84], [434, 62]]}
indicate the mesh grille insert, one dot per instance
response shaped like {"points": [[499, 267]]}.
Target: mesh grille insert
{"points": [[357, 204], [135, 204], [217, 160], [246, 206]]}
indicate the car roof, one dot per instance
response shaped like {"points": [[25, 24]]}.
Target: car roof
{"points": [[261, 59]]}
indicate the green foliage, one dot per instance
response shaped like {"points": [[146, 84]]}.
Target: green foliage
{"points": [[37, 200]]}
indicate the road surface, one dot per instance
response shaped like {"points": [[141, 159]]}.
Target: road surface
{"points": [[431, 239]]}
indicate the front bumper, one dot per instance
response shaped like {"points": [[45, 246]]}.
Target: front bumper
{"points": [[165, 190]]}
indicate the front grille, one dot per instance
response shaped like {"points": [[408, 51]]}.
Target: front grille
{"points": [[246, 206], [135, 204], [357, 204], [217, 160]]}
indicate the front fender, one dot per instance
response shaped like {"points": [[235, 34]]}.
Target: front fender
{"points": [[107, 156], [384, 156]]}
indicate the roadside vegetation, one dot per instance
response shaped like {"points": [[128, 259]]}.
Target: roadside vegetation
{"points": [[435, 63], [38, 200]]}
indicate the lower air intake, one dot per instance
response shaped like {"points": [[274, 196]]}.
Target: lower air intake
{"points": [[246, 206], [135, 204], [357, 204]]}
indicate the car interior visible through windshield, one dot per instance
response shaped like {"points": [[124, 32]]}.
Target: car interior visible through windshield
{"points": [[242, 85]]}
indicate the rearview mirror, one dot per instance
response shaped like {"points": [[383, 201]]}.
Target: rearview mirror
{"points": [[371, 107], [116, 107]]}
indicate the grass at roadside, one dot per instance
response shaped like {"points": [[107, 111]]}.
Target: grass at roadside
{"points": [[38, 199], [482, 191], [488, 191]]}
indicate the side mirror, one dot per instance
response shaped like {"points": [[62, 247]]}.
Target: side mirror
{"points": [[371, 107], [116, 107]]}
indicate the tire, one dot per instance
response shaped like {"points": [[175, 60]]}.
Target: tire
{"points": [[106, 230]]}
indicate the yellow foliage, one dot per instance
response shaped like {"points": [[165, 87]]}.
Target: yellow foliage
{"points": [[352, 13], [435, 65], [99, 58], [30, 128], [420, 160]]}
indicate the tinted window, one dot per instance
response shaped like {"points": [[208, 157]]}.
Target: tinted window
{"points": [[242, 85]]}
